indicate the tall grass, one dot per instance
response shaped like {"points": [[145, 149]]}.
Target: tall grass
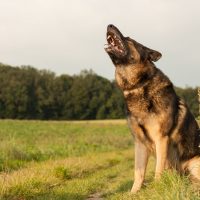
{"points": [[75, 161], [26, 141]]}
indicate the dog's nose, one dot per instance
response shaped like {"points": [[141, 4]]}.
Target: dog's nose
{"points": [[110, 26]]}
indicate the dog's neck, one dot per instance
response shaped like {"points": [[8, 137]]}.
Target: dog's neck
{"points": [[132, 76]]}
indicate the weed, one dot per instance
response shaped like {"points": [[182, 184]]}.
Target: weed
{"points": [[63, 173]]}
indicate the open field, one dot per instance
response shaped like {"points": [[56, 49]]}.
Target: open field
{"points": [[51, 160]]}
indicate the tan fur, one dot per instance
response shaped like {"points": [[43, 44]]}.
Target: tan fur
{"points": [[141, 159], [160, 121], [193, 167]]}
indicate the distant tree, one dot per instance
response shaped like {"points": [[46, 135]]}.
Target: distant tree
{"points": [[14, 92], [28, 93], [62, 85], [88, 92], [114, 108], [191, 98]]}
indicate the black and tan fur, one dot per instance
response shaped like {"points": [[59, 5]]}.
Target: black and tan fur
{"points": [[159, 120]]}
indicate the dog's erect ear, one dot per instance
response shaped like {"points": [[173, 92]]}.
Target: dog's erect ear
{"points": [[152, 55]]}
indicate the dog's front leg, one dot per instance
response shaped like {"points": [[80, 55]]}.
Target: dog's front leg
{"points": [[141, 159], [162, 144]]}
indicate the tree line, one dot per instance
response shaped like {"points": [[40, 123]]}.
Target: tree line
{"points": [[28, 93]]}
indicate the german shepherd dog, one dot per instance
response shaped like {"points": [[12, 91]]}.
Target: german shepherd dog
{"points": [[160, 121]]}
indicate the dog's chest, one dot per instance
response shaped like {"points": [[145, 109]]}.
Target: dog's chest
{"points": [[131, 80], [139, 103], [146, 129]]}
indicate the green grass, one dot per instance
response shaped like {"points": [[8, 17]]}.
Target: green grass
{"points": [[77, 160], [26, 141]]}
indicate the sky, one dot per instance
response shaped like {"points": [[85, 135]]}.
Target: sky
{"points": [[67, 36]]}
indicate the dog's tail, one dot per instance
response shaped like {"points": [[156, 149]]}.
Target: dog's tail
{"points": [[192, 167]]}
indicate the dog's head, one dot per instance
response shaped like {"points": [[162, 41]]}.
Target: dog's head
{"points": [[124, 50]]}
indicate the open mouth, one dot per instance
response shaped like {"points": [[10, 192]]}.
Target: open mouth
{"points": [[115, 43]]}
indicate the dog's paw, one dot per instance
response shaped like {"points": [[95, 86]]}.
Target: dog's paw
{"points": [[135, 189], [157, 176]]}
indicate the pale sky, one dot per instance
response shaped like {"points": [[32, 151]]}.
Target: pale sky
{"points": [[66, 36]]}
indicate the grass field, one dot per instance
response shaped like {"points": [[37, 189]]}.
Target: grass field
{"points": [[53, 160]]}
